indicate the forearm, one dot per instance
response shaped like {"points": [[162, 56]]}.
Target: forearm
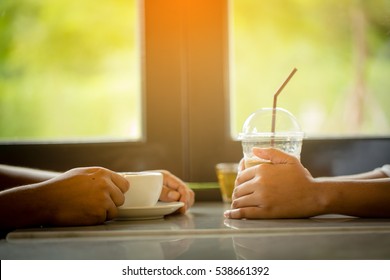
{"points": [[11, 176], [361, 198], [381, 172]]}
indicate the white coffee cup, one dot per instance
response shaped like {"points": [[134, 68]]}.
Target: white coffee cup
{"points": [[145, 189]]}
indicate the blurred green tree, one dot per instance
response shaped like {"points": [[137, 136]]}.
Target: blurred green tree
{"points": [[341, 49], [65, 65]]}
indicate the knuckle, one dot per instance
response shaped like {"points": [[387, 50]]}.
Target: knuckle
{"points": [[238, 180], [258, 181], [100, 170], [261, 168], [235, 204]]}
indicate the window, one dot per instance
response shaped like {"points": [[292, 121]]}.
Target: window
{"points": [[69, 70], [341, 50]]}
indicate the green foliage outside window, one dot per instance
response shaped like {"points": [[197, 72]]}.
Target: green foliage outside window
{"points": [[68, 69], [341, 50]]}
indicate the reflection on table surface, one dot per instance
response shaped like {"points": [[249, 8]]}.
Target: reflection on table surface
{"points": [[203, 233]]}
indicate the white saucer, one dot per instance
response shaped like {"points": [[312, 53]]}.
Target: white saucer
{"points": [[146, 213]]}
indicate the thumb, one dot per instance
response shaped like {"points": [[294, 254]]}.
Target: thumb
{"points": [[276, 156]]}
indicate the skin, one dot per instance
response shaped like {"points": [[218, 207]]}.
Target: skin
{"points": [[286, 189], [80, 196], [175, 189]]}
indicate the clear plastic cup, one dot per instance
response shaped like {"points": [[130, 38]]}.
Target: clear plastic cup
{"points": [[257, 132]]}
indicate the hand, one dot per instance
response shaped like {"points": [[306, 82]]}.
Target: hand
{"points": [[282, 189], [175, 189], [83, 196]]}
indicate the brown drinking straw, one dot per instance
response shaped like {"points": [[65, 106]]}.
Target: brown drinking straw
{"points": [[275, 101]]}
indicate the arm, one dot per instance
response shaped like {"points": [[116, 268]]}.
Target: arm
{"points": [[81, 196], [362, 198], [174, 189], [11, 176], [374, 174], [285, 189]]}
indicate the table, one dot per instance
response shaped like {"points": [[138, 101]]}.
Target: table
{"points": [[203, 233]]}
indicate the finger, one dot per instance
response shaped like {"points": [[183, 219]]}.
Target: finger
{"points": [[104, 211], [173, 182], [114, 177], [188, 199], [276, 156], [243, 179], [191, 198], [251, 200], [247, 212], [176, 186], [168, 195], [116, 195], [245, 175], [120, 181], [241, 165], [111, 212], [244, 189], [186, 196]]}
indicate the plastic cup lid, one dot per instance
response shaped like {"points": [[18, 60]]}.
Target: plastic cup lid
{"points": [[259, 125]]}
